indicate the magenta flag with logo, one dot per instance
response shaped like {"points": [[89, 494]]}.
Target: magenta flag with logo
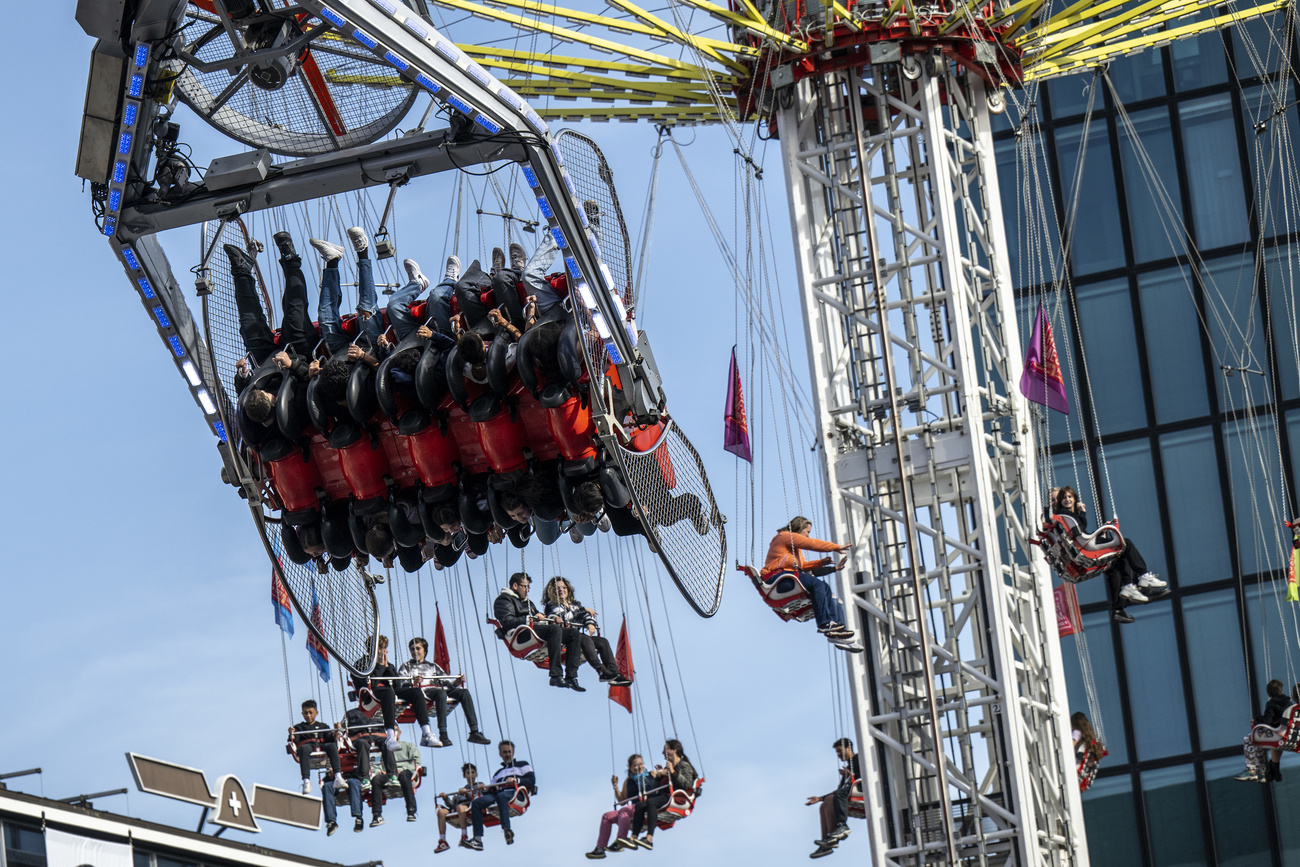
{"points": [[1041, 382], [735, 430]]}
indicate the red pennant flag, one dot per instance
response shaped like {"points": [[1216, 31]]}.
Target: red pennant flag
{"points": [[735, 430], [1041, 381], [1068, 618], [441, 657], [623, 657]]}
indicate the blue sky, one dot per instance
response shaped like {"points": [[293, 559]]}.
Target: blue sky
{"points": [[137, 614]]}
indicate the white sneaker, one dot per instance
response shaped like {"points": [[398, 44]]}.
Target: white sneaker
{"points": [[453, 268], [390, 744], [306, 787], [357, 236], [1133, 594], [1150, 580], [414, 273], [329, 252], [429, 739], [847, 644]]}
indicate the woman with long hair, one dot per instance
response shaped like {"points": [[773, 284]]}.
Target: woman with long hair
{"points": [[785, 554], [634, 789], [560, 606], [675, 774]]}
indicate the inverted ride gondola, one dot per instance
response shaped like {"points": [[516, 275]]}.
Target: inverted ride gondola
{"points": [[162, 52]]}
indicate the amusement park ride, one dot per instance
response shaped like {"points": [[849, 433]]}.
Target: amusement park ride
{"points": [[883, 111]]}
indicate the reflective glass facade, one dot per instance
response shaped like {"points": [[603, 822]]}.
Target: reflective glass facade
{"points": [[1192, 412]]}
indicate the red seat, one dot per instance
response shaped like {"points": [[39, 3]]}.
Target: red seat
{"points": [[524, 643], [371, 707], [392, 787], [434, 455], [1079, 556], [681, 804], [1284, 737], [783, 593], [518, 806], [857, 802], [1088, 766], [295, 481]]}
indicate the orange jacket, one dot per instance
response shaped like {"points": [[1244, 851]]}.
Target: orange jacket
{"points": [[783, 553]]}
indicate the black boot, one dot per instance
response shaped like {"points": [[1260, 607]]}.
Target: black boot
{"points": [[1273, 772], [240, 263], [284, 241]]}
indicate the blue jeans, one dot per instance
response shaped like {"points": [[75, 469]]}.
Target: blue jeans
{"points": [[327, 799], [826, 609], [482, 802], [399, 308], [539, 265], [546, 531], [331, 297]]}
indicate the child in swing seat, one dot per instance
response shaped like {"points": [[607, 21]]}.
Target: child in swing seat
{"points": [[1274, 716]]}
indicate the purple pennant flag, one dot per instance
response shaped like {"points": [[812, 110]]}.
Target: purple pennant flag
{"points": [[735, 429], [1041, 382]]}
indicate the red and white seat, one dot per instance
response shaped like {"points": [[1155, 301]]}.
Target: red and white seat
{"points": [[783, 593], [681, 804], [1079, 556], [1284, 737]]}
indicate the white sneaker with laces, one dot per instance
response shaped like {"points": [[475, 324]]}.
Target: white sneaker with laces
{"points": [[329, 252], [453, 268], [1133, 594], [847, 644], [357, 236], [414, 274], [1151, 581], [429, 739], [306, 787]]}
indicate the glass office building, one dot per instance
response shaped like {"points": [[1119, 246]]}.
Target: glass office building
{"points": [[1194, 387]]}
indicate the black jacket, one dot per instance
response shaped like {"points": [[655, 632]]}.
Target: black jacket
{"points": [[299, 371], [1077, 513], [1274, 712], [511, 611], [305, 731]]}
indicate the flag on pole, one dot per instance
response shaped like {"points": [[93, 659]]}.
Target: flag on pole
{"points": [[623, 659], [441, 657], [280, 599], [735, 430], [1068, 618], [1041, 382], [315, 647]]}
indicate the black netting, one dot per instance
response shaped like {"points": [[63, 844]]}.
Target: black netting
{"points": [[339, 607], [672, 490], [339, 95], [594, 182]]}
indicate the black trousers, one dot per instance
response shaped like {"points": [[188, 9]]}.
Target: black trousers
{"points": [[388, 703], [646, 813], [331, 750], [408, 794], [297, 330], [468, 291], [556, 637], [363, 746], [597, 650], [1126, 570], [840, 805], [461, 695]]}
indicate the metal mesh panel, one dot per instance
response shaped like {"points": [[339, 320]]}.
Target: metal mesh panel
{"points": [[594, 181], [348, 614], [329, 103], [671, 489]]}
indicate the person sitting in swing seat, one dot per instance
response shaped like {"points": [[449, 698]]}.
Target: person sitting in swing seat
{"points": [[676, 774], [834, 807], [513, 608], [1274, 716], [458, 802], [625, 800], [512, 773], [1128, 579], [386, 691], [405, 765], [785, 555], [431, 674], [1087, 749], [310, 735], [563, 609]]}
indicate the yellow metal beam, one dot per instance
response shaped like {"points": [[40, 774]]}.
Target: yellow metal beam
{"points": [[1029, 10], [632, 113], [561, 84], [491, 54], [845, 16], [755, 25], [1114, 28]]}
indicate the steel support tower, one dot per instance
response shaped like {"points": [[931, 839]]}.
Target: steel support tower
{"points": [[907, 299]]}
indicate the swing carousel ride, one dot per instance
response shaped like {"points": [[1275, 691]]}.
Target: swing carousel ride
{"points": [[929, 457]]}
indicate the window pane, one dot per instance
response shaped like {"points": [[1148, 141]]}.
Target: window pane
{"points": [[24, 847], [1237, 811], [1134, 482], [1155, 208], [1138, 76], [141, 859], [1286, 798], [1210, 150], [1097, 244], [1281, 269], [1259, 45], [1071, 469], [1214, 654], [1155, 684], [1268, 637], [1111, 358], [1068, 95], [1173, 817], [1270, 163], [1237, 331], [1200, 61], [1195, 503], [1253, 475], [1101, 654], [1173, 342], [1110, 818]]}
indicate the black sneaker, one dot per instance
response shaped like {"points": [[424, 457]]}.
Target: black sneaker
{"points": [[359, 825], [608, 674], [377, 821], [840, 832], [1119, 615], [596, 853], [477, 737], [284, 241], [240, 262], [572, 683], [330, 828], [445, 738], [510, 836], [410, 815], [621, 681], [558, 681], [473, 843], [822, 852]]}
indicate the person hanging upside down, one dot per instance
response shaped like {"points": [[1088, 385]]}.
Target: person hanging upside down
{"points": [[370, 325], [512, 773], [399, 306], [419, 665], [1128, 579], [458, 802], [563, 609], [835, 806], [785, 555], [676, 774], [625, 801], [513, 608], [1274, 716], [383, 687], [310, 735]]}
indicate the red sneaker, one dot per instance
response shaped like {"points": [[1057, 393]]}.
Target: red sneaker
{"points": [[443, 846]]}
